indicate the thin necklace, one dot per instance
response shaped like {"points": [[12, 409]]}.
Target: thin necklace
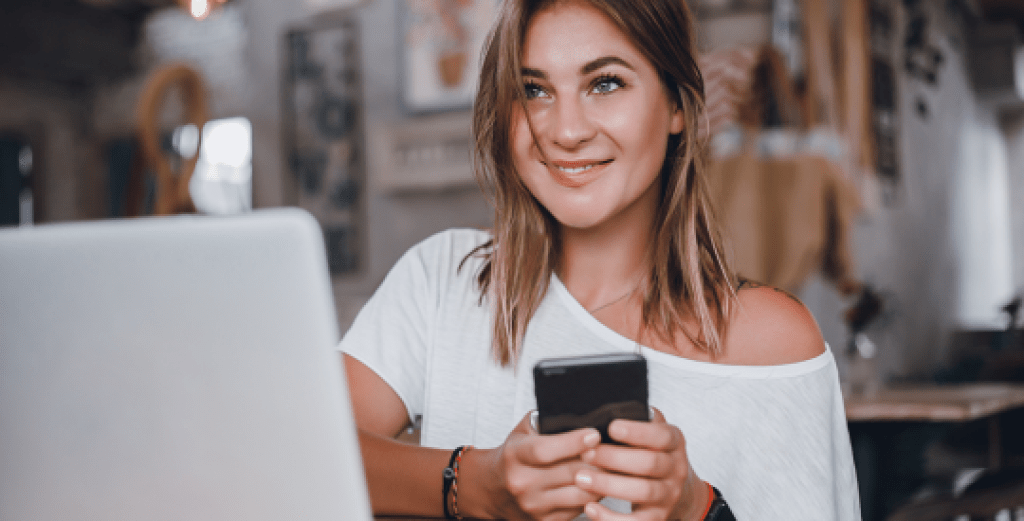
{"points": [[636, 343], [617, 299]]}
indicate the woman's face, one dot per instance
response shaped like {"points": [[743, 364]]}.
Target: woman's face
{"points": [[600, 114]]}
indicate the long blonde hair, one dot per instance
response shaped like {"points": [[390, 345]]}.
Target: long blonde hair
{"points": [[689, 276]]}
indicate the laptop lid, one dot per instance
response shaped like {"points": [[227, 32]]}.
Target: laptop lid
{"points": [[173, 368]]}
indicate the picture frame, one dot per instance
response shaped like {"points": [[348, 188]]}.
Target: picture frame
{"points": [[323, 131], [441, 42], [721, 8]]}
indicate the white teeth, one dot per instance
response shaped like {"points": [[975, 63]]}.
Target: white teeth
{"points": [[574, 170]]}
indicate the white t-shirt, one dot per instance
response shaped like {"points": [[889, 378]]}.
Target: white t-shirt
{"points": [[773, 439]]}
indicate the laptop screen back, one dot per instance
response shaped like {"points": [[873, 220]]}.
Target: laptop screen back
{"points": [[173, 368]]}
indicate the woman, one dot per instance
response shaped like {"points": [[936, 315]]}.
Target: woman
{"points": [[586, 127]]}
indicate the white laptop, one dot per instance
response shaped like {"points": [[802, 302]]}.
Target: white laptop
{"points": [[178, 368]]}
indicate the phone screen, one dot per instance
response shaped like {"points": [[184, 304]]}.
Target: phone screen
{"points": [[590, 391]]}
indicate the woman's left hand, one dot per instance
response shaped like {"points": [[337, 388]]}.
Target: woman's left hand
{"points": [[651, 471]]}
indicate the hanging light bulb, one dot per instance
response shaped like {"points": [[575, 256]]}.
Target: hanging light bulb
{"points": [[200, 9]]}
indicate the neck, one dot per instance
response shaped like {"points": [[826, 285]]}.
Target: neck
{"points": [[602, 263]]}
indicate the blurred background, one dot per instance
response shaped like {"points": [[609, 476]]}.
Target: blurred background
{"points": [[867, 155]]}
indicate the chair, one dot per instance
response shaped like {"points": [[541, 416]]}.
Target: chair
{"points": [[997, 496]]}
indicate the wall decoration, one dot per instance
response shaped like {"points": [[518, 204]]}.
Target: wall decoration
{"points": [[922, 58], [441, 42], [324, 135], [15, 180], [884, 113], [718, 8], [426, 153]]}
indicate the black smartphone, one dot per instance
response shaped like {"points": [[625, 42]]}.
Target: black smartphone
{"points": [[590, 391]]}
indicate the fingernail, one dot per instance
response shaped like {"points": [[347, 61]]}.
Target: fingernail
{"points": [[618, 429], [588, 456], [592, 439], [582, 478], [591, 510]]}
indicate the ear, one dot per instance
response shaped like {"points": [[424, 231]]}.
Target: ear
{"points": [[678, 122]]}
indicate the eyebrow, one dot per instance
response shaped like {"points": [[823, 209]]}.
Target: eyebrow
{"points": [[603, 62], [587, 68]]}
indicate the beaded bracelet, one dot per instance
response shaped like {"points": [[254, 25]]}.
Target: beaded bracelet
{"points": [[450, 475]]}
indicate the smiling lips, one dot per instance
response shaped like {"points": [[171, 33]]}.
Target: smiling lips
{"points": [[574, 174]]}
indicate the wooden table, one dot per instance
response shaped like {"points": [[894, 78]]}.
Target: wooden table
{"points": [[933, 403], [943, 403], [877, 419]]}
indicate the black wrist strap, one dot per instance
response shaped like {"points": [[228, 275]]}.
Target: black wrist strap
{"points": [[719, 510], [448, 477]]}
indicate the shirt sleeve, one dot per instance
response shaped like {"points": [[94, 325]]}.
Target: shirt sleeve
{"points": [[774, 441], [799, 449], [392, 334]]}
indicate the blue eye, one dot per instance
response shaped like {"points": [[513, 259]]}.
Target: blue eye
{"points": [[607, 84], [533, 91]]}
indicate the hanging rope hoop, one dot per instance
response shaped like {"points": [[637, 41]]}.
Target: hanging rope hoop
{"points": [[172, 194]]}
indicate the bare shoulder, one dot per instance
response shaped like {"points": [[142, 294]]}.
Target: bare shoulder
{"points": [[770, 327]]}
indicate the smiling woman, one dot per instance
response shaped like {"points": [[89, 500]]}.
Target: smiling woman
{"points": [[585, 133], [588, 144], [599, 78]]}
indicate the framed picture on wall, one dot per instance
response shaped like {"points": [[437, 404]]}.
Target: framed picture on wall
{"points": [[884, 107], [324, 136], [717, 8], [441, 44]]}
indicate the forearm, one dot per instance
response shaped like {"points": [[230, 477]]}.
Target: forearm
{"points": [[696, 506], [402, 479]]}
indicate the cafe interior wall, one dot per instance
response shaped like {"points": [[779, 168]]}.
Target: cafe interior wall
{"points": [[240, 52], [54, 119], [942, 244], [1012, 122], [936, 273], [395, 220]]}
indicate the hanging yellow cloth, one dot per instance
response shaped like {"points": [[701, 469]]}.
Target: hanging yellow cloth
{"points": [[785, 217], [780, 188]]}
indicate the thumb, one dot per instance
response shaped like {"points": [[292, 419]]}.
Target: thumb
{"points": [[656, 416], [528, 424]]}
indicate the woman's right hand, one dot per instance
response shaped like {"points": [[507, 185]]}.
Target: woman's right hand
{"points": [[530, 476]]}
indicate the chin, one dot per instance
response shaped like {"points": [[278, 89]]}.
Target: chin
{"points": [[580, 220]]}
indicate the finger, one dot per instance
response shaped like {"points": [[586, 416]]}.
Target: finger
{"points": [[562, 515], [650, 435], [548, 449], [542, 493], [526, 481], [524, 426], [656, 415], [598, 512], [629, 488], [563, 498], [631, 460]]}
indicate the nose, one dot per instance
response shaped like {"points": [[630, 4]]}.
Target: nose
{"points": [[571, 125]]}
